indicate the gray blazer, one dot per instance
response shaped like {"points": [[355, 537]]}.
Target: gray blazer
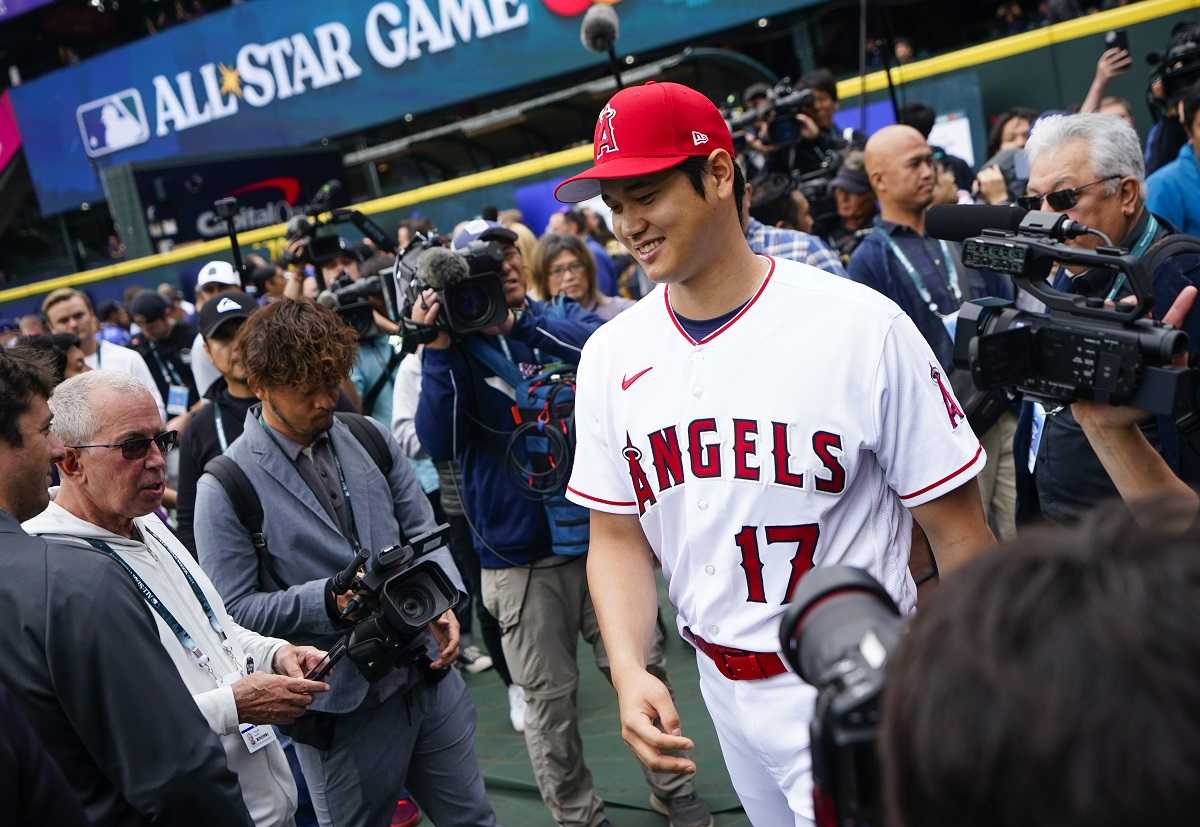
{"points": [[306, 546]]}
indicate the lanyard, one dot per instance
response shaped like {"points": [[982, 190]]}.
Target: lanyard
{"points": [[100, 354], [181, 634], [165, 368], [220, 423], [354, 541], [1138, 251], [915, 276]]}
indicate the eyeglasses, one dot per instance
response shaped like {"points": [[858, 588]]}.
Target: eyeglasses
{"points": [[1059, 200], [575, 267], [138, 447]]}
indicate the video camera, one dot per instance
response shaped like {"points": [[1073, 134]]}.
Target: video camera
{"points": [[1179, 67], [397, 594], [467, 283], [353, 300], [838, 634], [1082, 348]]}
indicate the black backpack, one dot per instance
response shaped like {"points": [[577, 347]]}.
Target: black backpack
{"points": [[248, 506]]}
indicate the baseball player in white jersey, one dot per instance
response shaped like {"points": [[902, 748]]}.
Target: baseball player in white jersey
{"points": [[747, 420]]}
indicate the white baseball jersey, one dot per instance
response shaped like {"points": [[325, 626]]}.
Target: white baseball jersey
{"points": [[797, 434]]}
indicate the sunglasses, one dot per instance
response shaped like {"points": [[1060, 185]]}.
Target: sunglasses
{"points": [[138, 447], [1059, 200]]}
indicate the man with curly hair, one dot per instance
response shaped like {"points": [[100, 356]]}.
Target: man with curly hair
{"points": [[324, 495]]}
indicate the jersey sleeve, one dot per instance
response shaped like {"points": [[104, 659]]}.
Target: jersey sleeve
{"points": [[924, 443], [598, 479]]}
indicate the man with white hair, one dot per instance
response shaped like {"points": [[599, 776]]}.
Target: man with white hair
{"points": [[1090, 166], [113, 472]]}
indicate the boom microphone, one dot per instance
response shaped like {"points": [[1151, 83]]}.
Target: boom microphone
{"points": [[600, 28], [958, 222], [440, 267]]}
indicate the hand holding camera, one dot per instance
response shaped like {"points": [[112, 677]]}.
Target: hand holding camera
{"points": [[425, 311]]}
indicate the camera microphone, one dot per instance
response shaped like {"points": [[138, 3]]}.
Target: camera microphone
{"points": [[440, 267], [600, 29], [958, 222]]}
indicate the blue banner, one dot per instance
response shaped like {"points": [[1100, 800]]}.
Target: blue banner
{"points": [[285, 73]]}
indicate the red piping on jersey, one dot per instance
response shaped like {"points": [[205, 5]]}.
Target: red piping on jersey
{"points": [[728, 324], [946, 478], [598, 500]]}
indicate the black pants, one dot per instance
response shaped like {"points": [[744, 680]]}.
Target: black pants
{"points": [[467, 560]]}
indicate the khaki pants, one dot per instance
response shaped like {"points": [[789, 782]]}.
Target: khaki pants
{"points": [[998, 480], [542, 613]]}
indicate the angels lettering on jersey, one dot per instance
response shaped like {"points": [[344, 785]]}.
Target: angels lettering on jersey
{"points": [[758, 452]]}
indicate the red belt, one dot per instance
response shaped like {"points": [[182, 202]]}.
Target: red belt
{"points": [[738, 664]]}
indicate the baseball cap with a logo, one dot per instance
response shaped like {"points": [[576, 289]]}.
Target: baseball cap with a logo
{"points": [[646, 129], [230, 305], [218, 272]]}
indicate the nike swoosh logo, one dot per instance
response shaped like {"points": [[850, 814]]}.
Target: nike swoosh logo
{"points": [[626, 382]]}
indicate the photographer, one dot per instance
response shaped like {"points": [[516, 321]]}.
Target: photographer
{"points": [[1091, 168], [539, 596], [325, 492], [1052, 686], [165, 345], [1173, 192]]}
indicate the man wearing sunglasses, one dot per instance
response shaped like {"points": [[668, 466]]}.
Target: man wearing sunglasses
{"points": [[1091, 167], [113, 470]]}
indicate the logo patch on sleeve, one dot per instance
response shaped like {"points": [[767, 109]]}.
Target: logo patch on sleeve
{"points": [[952, 408]]}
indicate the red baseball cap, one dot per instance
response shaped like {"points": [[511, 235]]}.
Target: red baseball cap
{"points": [[646, 129]]}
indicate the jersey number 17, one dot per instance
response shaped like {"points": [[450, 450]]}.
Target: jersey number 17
{"points": [[805, 538]]}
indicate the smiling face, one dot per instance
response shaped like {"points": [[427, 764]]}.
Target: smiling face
{"points": [[662, 221]]}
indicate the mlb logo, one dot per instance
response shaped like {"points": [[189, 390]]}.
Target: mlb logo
{"points": [[113, 123]]}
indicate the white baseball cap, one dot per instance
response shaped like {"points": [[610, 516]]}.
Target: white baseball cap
{"points": [[218, 272]]}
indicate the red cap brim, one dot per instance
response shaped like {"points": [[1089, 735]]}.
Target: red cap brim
{"points": [[586, 185]]}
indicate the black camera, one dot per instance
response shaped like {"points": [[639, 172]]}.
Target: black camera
{"points": [[467, 282], [357, 301], [397, 593], [838, 634], [1082, 348]]}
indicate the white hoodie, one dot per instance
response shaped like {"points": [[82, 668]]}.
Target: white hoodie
{"points": [[265, 777]]}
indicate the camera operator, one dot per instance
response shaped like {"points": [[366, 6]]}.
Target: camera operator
{"points": [[776, 197], [825, 106], [927, 279], [1173, 191], [1090, 167], [539, 597], [1052, 685], [374, 372], [324, 494]]}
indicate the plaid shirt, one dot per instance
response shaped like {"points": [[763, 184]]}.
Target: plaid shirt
{"points": [[793, 245]]}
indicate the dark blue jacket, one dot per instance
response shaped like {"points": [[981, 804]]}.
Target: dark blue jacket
{"points": [[874, 265], [463, 415]]}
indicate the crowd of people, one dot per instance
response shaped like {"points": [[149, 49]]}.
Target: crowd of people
{"points": [[214, 466]]}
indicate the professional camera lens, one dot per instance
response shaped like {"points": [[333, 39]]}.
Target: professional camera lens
{"points": [[836, 611]]}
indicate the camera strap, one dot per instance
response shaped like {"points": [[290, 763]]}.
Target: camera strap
{"points": [[914, 275], [181, 634]]}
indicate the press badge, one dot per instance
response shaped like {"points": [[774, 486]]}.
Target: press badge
{"points": [[256, 736], [177, 397]]}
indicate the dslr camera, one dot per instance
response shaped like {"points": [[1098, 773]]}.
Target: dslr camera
{"points": [[1081, 348], [467, 283], [355, 301], [397, 593], [838, 634]]}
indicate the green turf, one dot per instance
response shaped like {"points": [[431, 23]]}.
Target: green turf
{"points": [[615, 771]]}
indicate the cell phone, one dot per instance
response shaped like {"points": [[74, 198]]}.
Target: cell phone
{"points": [[1117, 39]]}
